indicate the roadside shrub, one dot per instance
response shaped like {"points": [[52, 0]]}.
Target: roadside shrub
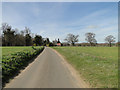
{"points": [[12, 64]]}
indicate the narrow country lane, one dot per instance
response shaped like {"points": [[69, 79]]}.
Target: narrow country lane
{"points": [[47, 71]]}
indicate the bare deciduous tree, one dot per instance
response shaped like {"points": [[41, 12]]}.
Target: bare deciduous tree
{"points": [[110, 39], [5, 26], [27, 30], [90, 37], [71, 39]]}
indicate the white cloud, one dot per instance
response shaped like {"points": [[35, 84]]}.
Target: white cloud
{"points": [[93, 17], [42, 32], [92, 26]]}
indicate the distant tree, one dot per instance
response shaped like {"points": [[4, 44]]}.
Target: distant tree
{"points": [[54, 42], [51, 44], [27, 30], [110, 39], [58, 41], [19, 40], [47, 41], [28, 38], [3, 41], [5, 26], [22, 32], [44, 42], [9, 36], [90, 37], [72, 39], [38, 40]]}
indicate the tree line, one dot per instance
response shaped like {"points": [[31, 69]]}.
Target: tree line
{"points": [[14, 37], [90, 38]]}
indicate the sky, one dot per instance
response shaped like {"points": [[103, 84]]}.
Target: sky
{"points": [[57, 19], [60, 0]]}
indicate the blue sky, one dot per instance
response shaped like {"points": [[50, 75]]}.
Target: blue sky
{"points": [[56, 20]]}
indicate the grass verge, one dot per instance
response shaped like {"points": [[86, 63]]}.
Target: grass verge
{"points": [[98, 65]]}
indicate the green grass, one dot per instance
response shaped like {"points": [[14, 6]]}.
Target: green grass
{"points": [[97, 65], [14, 49]]}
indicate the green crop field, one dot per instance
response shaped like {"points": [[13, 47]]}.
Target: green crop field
{"points": [[13, 49], [97, 65]]}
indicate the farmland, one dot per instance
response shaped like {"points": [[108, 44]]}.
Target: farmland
{"points": [[15, 59], [97, 65], [10, 50]]}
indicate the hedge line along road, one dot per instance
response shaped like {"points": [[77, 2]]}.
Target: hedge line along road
{"points": [[47, 71]]}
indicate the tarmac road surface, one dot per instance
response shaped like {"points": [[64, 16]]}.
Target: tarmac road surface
{"points": [[46, 71]]}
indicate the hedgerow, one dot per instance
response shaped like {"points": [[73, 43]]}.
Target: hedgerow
{"points": [[12, 64]]}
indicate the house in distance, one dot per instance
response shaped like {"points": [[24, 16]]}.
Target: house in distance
{"points": [[58, 42]]}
